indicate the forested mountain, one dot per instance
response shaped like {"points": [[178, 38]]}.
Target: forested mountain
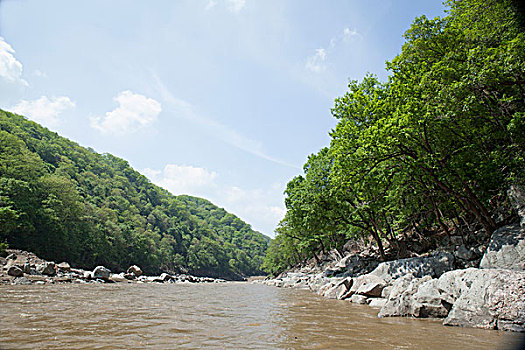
{"points": [[65, 202], [433, 149]]}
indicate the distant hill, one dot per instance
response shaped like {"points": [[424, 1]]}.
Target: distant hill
{"points": [[66, 202]]}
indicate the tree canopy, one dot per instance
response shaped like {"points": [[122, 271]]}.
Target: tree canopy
{"points": [[65, 202], [433, 148]]}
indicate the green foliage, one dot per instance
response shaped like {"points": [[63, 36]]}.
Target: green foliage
{"points": [[433, 148], [65, 202]]}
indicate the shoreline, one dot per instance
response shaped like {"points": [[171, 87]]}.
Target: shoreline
{"points": [[489, 295]]}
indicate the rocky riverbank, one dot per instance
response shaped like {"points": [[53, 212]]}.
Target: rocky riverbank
{"points": [[24, 268], [464, 286]]}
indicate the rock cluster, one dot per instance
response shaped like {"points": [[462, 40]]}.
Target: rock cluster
{"points": [[20, 268], [491, 297]]}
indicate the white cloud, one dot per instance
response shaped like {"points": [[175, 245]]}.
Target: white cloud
{"points": [[44, 110], [349, 34], [252, 205], [316, 62], [133, 113], [39, 73], [236, 5], [10, 67]]}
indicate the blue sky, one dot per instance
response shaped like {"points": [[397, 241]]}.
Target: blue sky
{"points": [[222, 99]]}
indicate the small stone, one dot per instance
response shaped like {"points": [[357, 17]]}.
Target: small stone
{"points": [[11, 256], [46, 268], [358, 299], [101, 272]]}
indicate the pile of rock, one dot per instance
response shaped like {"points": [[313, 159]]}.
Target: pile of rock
{"points": [[491, 296], [21, 267]]}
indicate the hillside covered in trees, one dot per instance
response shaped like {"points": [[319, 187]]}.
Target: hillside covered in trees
{"points": [[68, 203], [432, 150]]}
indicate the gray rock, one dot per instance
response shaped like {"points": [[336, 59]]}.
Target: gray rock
{"points": [[400, 301], [134, 269], [27, 268], [130, 276], [101, 272], [428, 301], [118, 277], [64, 267], [11, 256], [376, 302], [432, 265], [516, 195], [369, 285], [46, 268], [506, 249], [15, 271], [358, 299], [463, 253], [488, 298], [88, 275]]}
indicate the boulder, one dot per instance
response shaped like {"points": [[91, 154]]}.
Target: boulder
{"points": [[15, 271], [400, 301], [27, 268], [130, 276], [353, 265], [64, 267], [432, 265], [11, 256], [488, 298], [376, 302], [100, 272], [428, 301], [118, 277], [134, 269], [506, 249], [369, 285], [46, 268], [88, 275]]}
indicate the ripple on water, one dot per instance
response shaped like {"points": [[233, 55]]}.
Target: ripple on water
{"points": [[227, 316]]}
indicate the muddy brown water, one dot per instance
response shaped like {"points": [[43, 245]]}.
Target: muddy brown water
{"points": [[213, 316]]}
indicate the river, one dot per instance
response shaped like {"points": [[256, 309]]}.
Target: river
{"points": [[214, 316]]}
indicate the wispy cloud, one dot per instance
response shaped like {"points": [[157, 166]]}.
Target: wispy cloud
{"points": [[316, 63], [235, 6], [225, 133], [133, 113], [10, 67], [252, 205], [44, 110]]}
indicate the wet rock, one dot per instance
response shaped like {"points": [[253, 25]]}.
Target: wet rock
{"points": [[134, 269], [506, 249], [15, 271], [46, 268], [101, 272], [431, 265]]}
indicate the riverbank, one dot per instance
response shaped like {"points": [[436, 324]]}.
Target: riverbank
{"points": [[463, 286], [25, 268]]}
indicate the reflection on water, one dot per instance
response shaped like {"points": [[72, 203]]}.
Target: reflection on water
{"points": [[224, 316]]}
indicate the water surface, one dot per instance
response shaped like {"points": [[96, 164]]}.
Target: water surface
{"points": [[215, 316]]}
